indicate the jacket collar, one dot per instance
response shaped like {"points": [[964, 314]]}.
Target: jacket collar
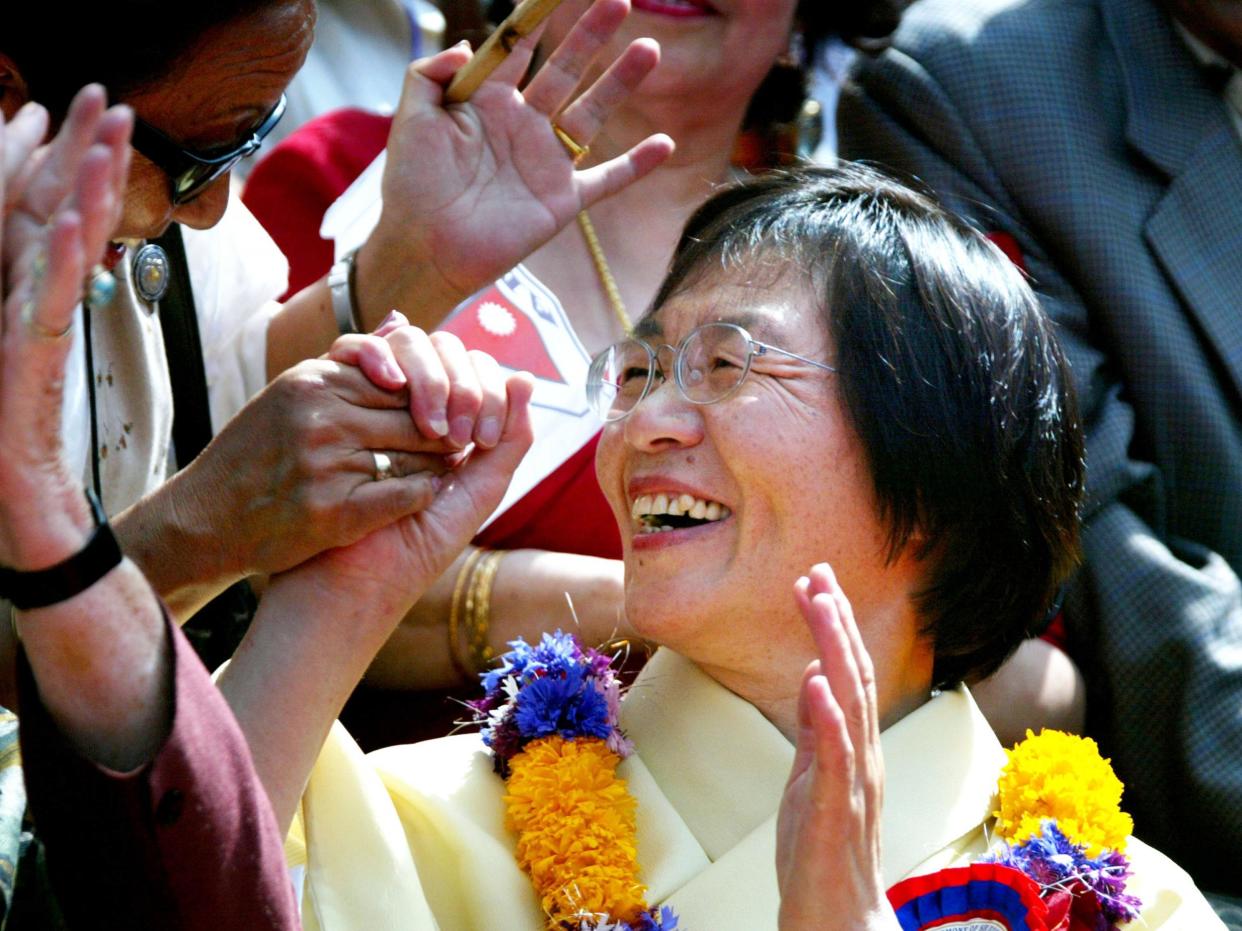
{"points": [[1172, 101], [712, 752]]}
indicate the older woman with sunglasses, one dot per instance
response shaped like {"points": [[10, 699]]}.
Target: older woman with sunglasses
{"points": [[837, 374], [126, 745]]}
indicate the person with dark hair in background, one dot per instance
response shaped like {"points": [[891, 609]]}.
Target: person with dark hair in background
{"points": [[1100, 143]]}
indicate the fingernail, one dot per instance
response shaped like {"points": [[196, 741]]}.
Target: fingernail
{"points": [[462, 42], [393, 373], [439, 425], [391, 318], [489, 431], [461, 430], [433, 480]]}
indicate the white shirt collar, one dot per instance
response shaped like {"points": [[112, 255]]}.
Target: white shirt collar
{"points": [[1210, 58]]}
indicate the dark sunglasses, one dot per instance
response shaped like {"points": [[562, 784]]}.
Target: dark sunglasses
{"points": [[191, 172]]}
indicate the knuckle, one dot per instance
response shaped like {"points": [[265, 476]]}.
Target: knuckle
{"points": [[406, 336], [481, 360], [320, 504], [447, 342]]}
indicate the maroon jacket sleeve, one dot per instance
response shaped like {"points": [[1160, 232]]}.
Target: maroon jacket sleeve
{"points": [[187, 841]]}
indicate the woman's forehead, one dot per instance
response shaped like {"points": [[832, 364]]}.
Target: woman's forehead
{"points": [[767, 307]]}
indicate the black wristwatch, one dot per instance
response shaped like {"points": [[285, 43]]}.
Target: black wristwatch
{"points": [[43, 587]]}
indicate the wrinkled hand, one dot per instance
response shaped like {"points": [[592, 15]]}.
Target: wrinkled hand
{"points": [[61, 200], [471, 189], [454, 393], [828, 830], [378, 579], [294, 473]]}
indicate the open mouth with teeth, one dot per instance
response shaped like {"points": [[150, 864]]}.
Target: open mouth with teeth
{"points": [[663, 512]]}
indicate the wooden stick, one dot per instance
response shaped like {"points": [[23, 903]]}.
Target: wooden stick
{"points": [[525, 17]]}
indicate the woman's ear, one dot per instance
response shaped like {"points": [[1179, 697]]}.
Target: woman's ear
{"points": [[13, 93]]}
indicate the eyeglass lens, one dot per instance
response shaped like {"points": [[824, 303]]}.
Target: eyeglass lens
{"points": [[710, 363]]}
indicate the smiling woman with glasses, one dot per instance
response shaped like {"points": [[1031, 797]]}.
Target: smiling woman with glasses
{"points": [[935, 465]]}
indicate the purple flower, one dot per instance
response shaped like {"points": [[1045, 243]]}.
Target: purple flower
{"points": [[664, 919], [505, 740], [1057, 864], [658, 919]]}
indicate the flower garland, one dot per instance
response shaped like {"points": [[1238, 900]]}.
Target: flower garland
{"points": [[1061, 819], [1063, 837], [549, 714]]}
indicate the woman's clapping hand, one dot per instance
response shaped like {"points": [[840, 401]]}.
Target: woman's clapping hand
{"points": [[60, 200], [828, 831]]}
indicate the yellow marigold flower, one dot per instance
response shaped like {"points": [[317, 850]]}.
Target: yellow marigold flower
{"points": [[575, 825], [1062, 776]]}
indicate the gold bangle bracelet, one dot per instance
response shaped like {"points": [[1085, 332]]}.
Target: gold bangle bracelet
{"points": [[479, 610], [455, 612]]}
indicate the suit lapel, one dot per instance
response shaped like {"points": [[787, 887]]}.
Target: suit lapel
{"points": [[1177, 120], [1196, 234], [1170, 101]]}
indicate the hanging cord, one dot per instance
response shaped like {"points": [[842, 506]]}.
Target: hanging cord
{"points": [[90, 393], [606, 280]]}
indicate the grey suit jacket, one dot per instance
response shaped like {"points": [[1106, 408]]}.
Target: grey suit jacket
{"points": [[1086, 130]]}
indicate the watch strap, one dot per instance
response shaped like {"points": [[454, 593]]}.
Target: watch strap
{"points": [[43, 587], [341, 287]]}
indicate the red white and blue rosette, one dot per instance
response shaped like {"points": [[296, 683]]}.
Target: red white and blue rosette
{"points": [[979, 897]]}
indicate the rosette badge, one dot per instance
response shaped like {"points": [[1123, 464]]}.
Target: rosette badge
{"points": [[1060, 864], [549, 714]]}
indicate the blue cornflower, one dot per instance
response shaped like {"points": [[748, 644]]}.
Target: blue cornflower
{"points": [[562, 702], [525, 662]]}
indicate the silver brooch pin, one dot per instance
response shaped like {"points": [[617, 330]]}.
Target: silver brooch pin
{"points": [[151, 272]]}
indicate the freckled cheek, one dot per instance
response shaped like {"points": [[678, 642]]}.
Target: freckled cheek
{"points": [[608, 470]]}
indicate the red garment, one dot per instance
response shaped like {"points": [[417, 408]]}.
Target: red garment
{"points": [[566, 512], [295, 184], [187, 841], [289, 192]]}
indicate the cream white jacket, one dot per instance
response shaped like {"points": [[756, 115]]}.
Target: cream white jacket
{"points": [[413, 837]]}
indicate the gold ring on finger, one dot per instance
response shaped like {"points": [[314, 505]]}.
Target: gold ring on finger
{"points": [[37, 329], [383, 465]]}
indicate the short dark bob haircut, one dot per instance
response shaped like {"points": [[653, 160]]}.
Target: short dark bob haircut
{"points": [[952, 378]]}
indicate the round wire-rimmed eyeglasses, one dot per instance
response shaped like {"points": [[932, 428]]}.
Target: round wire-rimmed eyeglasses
{"points": [[709, 365]]}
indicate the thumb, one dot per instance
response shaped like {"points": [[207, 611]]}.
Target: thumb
{"points": [[426, 78], [804, 749]]}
